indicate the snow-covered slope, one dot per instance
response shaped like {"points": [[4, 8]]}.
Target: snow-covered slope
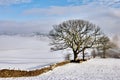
{"points": [[94, 69], [26, 53]]}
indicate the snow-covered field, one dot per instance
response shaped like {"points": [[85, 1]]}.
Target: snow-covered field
{"points": [[29, 53], [94, 69], [26, 52]]}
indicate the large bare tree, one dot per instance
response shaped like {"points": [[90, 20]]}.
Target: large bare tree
{"points": [[75, 34]]}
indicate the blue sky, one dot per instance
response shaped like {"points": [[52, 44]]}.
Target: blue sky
{"points": [[26, 16], [13, 11]]}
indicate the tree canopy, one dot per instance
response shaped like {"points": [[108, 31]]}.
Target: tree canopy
{"points": [[75, 34]]}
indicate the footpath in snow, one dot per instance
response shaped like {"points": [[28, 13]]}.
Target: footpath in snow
{"points": [[94, 69]]}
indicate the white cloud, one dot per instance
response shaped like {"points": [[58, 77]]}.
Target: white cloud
{"points": [[109, 3], [10, 2], [25, 27], [54, 10], [73, 10], [106, 17], [59, 10]]}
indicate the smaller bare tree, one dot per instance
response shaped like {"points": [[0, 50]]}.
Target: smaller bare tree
{"points": [[104, 44], [93, 53]]}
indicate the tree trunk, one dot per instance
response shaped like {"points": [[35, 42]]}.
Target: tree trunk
{"points": [[83, 55], [104, 53], [75, 56]]}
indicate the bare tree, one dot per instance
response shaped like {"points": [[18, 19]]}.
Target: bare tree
{"points": [[75, 34], [93, 53], [104, 44]]}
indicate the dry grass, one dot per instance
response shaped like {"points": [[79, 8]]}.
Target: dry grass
{"points": [[19, 73]]}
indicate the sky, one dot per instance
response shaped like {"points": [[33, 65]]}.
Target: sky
{"points": [[27, 16]]}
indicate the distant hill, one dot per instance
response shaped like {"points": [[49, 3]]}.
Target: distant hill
{"points": [[24, 34]]}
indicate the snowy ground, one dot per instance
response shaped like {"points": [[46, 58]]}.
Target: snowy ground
{"points": [[26, 53], [29, 53], [94, 69]]}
